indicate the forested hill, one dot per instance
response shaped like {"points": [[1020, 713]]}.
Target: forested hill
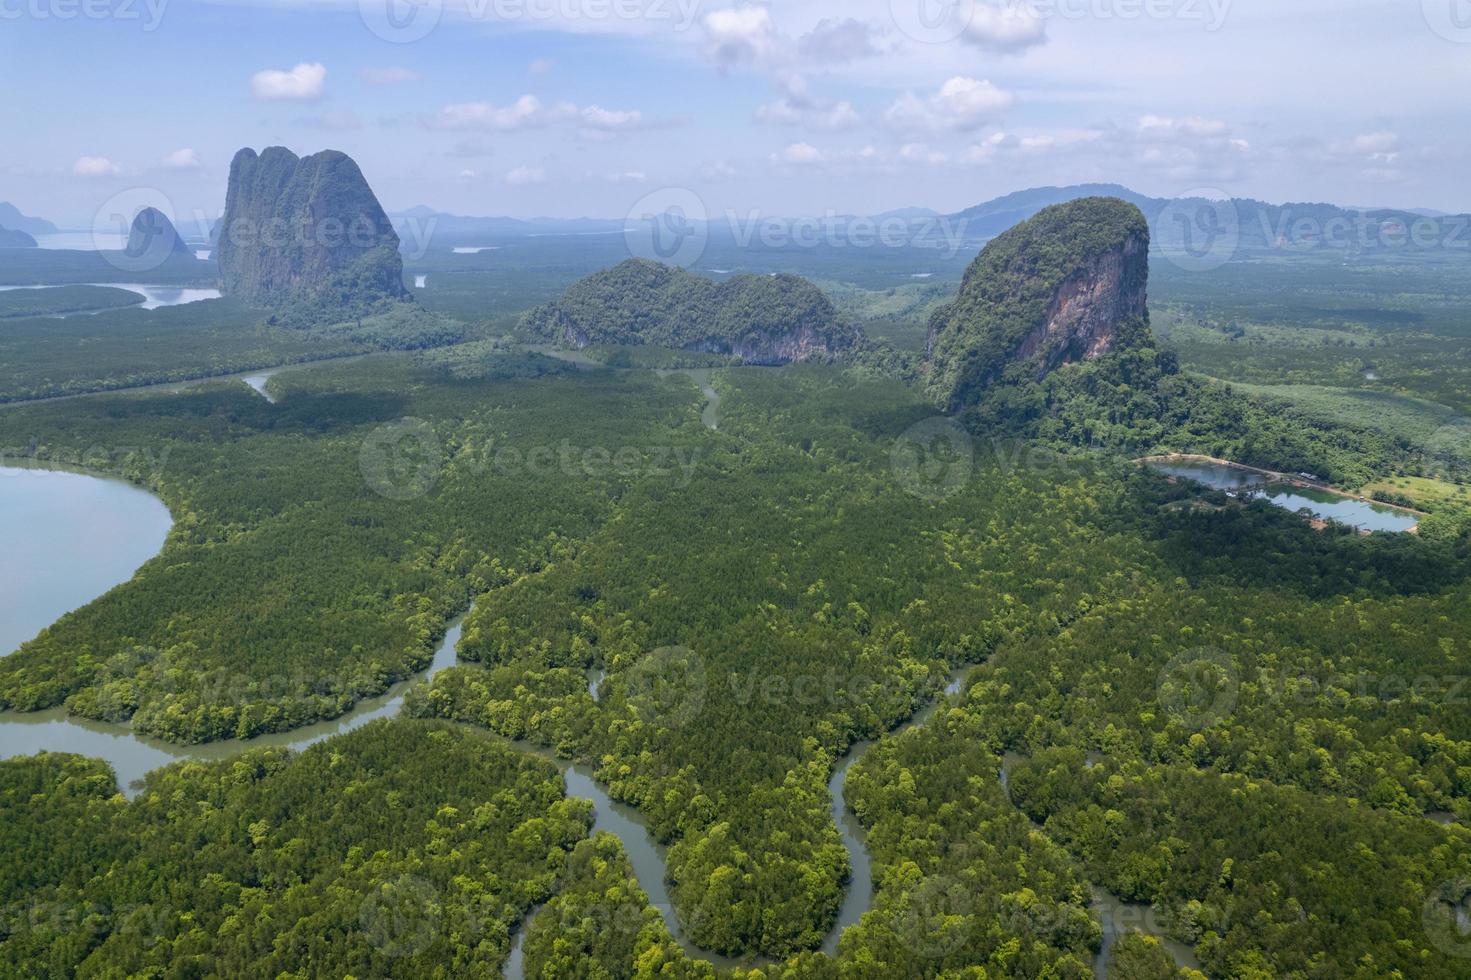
{"points": [[1049, 338], [759, 319], [1054, 290]]}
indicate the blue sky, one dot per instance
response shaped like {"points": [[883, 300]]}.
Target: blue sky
{"points": [[582, 107]]}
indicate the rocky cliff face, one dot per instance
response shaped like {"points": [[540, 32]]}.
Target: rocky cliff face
{"points": [[759, 319], [1082, 321], [153, 238], [306, 231], [1057, 289]]}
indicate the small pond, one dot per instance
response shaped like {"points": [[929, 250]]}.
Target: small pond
{"points": [[1322, 504]]}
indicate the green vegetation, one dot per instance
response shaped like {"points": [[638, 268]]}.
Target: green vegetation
{"points": [[64, 267], [761, 319], [1213, 709], [220, 636], [757, 612], [1395, 323], [998, 325], [64, 299], [1140, 957], [403, 849], [46, 357]]}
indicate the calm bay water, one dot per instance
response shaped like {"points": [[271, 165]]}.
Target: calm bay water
{"points": [[68, 538]]}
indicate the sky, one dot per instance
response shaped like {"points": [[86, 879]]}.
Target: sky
{"points": [[571, 108]]}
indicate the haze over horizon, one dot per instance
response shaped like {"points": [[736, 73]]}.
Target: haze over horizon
{"points": [[551, 109]]}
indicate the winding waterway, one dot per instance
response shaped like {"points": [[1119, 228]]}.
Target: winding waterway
{"points": [[115, 527]]}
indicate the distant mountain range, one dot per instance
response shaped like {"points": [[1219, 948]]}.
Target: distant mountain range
{"points": [[464, 228], [1191, 224], [10, 217]]}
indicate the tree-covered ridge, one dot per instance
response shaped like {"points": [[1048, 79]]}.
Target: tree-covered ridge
{"points": [[800, 599], [298, 579], [762, 319], [406, 848], [786, 595], [58, 300], [1000, 319], [43, 357]]}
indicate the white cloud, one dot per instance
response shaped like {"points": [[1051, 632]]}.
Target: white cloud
{"points": [[800, 153], [985, 151], [962, 103], [388, 76], [1188, 126], [468, 175], [1005, 28], [182, 159], [798, 107], [302, 83], [921, 153], [837, 41], [742, 36], [95, 167], [629, 177], [525, 113], [611, 120], [529, 112], [523, 176], [1380, 142]]}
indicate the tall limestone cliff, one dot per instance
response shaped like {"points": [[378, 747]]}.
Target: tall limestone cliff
{"points": [[153, 238], [306, 233], [759, 319], [1068, 285]]}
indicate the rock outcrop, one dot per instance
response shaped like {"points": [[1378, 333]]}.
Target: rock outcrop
{"points": [[153, 238], [10, 238], [758, 319], [306, 232], [1062, 287]]}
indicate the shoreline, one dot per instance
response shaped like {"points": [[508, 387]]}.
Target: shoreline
{"points": [[1291, 479]]}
